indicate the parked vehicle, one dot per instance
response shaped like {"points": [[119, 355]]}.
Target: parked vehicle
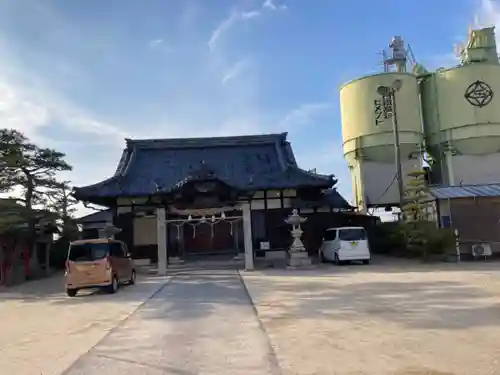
{"points": [[345, 244], [98, 263]]}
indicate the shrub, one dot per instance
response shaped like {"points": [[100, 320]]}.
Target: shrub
{"points": [[415, 239]]}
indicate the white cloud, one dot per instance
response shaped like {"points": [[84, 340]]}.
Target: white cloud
{"points": [[303, 115], [18, 112], [155, 42], [236, 69], [208, 99], [239, 16], [31, 110], [227, 24], [269, 4], [488, 14]]}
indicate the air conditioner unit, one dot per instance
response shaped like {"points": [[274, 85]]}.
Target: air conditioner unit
{"points": [[481, 250]]}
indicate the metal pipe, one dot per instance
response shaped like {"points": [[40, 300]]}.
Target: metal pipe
{"points": [[397, 150]]}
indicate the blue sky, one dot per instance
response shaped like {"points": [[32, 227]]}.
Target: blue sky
{"points": [[82, 75]]}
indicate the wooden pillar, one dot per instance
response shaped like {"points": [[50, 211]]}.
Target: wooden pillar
{"points": [[48, 246], [161, 233], [247, 233]]}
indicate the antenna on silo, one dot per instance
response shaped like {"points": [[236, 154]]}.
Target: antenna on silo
{"points": [[383, 60]]}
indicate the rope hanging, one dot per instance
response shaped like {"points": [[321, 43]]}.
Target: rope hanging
{"points": [[194, 223]]}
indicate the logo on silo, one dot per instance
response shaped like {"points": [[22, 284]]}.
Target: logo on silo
{"points": [[479, 94]]}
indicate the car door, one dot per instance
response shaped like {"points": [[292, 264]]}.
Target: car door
{"points": [[117, 259], [127, 262], [329, 243]]}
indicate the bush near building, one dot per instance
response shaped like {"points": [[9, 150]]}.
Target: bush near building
{"points": [[416, 239]]}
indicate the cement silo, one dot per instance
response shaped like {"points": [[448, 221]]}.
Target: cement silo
{"points": [[368, 132], [461, 113]]}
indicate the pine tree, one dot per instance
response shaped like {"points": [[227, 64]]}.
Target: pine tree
{"points": [[416, 212], [33, 169], [61, 201], [417, 200]]}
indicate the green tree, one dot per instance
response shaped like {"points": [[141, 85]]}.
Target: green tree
{"points": [[33, 169], [417, 201], [61, 201]]}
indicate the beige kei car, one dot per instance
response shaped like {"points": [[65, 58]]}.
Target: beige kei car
{"points": [[98, 263]]}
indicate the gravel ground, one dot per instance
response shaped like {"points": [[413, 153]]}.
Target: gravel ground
{"points": [[42, 331], [395, 318]]}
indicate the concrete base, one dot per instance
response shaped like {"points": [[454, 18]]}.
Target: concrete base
{"points": [[239, 257], [298, 259], [175, 260]]}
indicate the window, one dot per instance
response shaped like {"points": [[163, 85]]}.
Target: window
{"points": [[273, 204], [259, 194], [355, 234], [88, 252], [116, 250], [273, 194], [330, 235]]}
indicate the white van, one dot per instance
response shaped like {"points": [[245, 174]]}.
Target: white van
{"points": [[345, 244]]}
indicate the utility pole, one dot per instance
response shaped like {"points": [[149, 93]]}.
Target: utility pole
{"points": [[397, 150], [390, 92]]}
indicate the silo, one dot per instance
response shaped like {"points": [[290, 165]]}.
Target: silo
{"points": [[461, 113], [368, 137]]}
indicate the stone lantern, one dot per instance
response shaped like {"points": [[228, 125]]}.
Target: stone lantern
{"points": [[109, 231], [297, 255]]}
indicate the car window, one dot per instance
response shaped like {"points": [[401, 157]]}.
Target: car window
{"points": [[330, 235], [116, 250], [354, 234], [88, 252], [124, 249]]}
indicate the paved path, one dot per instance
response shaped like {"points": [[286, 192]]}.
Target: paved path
{"points": [[42, 331], [201, 323]]}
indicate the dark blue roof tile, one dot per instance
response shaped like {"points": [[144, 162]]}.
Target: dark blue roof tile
{"points": [[247, 162]]}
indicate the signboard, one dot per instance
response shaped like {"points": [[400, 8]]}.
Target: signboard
{"points": [[383, 109], [265, 246]]}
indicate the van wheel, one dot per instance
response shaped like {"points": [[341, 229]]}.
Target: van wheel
{"points": [[113, 287], [71, 292], [337, 260], [132, 278], [366, 261], [322, 257]]}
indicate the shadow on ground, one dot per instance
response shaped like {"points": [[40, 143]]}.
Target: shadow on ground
{"points": [[433, 304], [195, 294], [52, 290]]}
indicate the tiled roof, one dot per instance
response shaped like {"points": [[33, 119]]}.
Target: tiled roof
{"points": [[465, 191], [331, 197], [99, 216], [245, 162]]}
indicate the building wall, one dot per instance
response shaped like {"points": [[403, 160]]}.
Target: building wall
{"points": [[475, 169], [476, 219], [375, 184], [145, 231], [268, 211]]}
